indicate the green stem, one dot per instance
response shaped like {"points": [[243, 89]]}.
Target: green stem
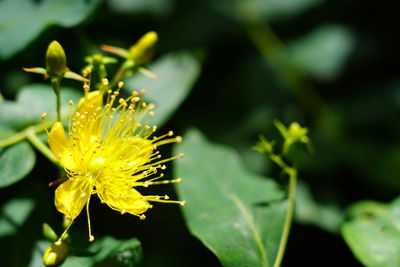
{"points": [[13, 139], [56, 82], [289, 216], [120, 74], [38, 144], [23, 134]]}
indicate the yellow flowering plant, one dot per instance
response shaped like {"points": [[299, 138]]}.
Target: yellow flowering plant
{"points": [[107, 146]]}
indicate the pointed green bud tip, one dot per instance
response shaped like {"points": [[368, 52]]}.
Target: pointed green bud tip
{"points": [[56, 254], [150, 38], [56, 62], [143, 50], [48, 232]]}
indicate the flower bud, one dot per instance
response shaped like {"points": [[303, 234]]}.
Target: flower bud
{"points": [[143, 50], [55, 255], [56, 62], [48, 232]]}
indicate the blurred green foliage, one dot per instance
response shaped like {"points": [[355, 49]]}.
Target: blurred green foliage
{"points": [[227, 68]]}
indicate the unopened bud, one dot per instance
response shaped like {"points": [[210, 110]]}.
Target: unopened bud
{"points": [[48, 232], [143, 50], [56, 62], [56, 254]]}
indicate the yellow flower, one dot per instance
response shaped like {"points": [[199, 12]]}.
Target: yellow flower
{"points": [[109, 152]]}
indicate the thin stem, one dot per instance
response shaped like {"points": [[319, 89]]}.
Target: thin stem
{"points": [[289, 216], [56, 82], [121, 73], [23, 134], [13, 139], [39, 145]]}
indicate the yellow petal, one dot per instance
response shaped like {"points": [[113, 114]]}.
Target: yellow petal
{"points": [[72, 195], [90, 102], [123, 199], [57, 140], [59, 144], [137, 154]]}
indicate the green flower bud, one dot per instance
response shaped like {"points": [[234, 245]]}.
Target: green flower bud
{"points": [[143, 50], [56, 254], [56, 62], [48, 232], [296, 132]]}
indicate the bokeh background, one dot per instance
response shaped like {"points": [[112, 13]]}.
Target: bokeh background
{"points": [[330, 65]]}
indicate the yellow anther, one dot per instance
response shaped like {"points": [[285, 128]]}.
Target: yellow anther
{"points": [[120, 84], [104, 81], [71, 103], [142, 217], [178, 139], [170, 133], [143, 91], [43, 116], [86, 87], [181, 155]]}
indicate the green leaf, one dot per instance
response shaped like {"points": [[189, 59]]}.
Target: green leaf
{"points": [[236, 214], [309, 211], [373, 233], [323, 52], [114, 252], [21, 21], [177, 74], [152, 7], [32, 101], [280, 9], [13, 215], [15, 163], [272, 10]]}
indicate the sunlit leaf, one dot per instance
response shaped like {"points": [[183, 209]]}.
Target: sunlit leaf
{"points": [[323, 52], [32, 101], [13, 215], [177, 74], [153, 7], [236, 214], [15, 163], [373, 233], [309, 211], [21, 21]]}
